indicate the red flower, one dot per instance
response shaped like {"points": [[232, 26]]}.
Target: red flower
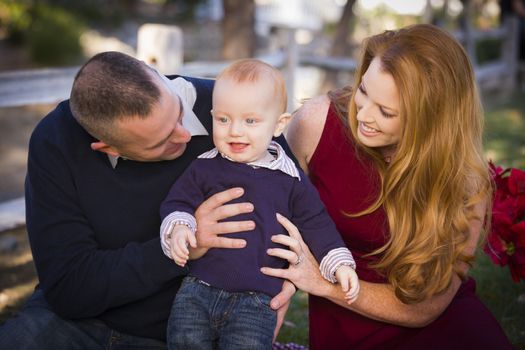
{"points": [[517, 265], [518, 231], [506, 241], [517, 182]]}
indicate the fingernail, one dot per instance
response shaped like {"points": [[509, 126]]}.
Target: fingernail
{"points": [[239, 191], [249, 207], [278, 215], [275, 305]]}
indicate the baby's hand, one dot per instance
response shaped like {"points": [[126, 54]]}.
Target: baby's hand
{"points": [[181, 237], [347, 277]]}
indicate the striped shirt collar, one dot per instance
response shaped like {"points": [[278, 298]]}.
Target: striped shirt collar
{"points": [[280, 162]]}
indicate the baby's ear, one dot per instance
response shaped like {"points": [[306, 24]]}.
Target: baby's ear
{"points": [[282, 122]]}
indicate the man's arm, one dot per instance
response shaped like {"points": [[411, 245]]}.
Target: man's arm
{"points": [[78, 277]]}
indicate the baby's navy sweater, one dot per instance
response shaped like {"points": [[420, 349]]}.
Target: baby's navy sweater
{"points": [[271, 192]]}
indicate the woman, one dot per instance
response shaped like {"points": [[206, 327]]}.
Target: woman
{"points": [[398, 161]]}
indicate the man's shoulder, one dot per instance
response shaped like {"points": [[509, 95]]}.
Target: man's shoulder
{"points": [[55, 119], [199, 83], [58, 127]]}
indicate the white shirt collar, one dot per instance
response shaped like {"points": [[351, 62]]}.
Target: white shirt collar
{"points": [[188, 95], [280, 162]]}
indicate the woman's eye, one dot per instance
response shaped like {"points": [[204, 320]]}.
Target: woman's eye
{"points": [[385, 114], [362, 89]]}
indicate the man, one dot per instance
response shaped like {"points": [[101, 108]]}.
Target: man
{"points": [[99, 166]]}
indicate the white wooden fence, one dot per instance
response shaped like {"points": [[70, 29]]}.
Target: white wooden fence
{"points": [[20, 88]]}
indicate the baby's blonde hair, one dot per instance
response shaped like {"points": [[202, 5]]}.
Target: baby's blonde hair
{"points": [[252, 70]]}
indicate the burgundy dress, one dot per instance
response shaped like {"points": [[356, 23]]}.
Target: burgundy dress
{"points": [[348, 184]]}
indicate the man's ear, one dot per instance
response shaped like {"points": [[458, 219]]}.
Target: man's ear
{"points": [[282, 122], [104, 148]]}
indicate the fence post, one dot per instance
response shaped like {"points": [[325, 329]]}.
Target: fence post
{"points": [[292, 61], [161, 46], [510, 50], [466, 26]]}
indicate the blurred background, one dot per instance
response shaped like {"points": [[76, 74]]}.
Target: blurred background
{"points": [[314, 42]]}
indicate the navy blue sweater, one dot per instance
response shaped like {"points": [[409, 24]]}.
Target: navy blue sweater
{"points": [[94, 230], [271, 192]]}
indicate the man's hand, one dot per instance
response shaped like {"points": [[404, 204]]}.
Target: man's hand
{"points": [[214, 209]]}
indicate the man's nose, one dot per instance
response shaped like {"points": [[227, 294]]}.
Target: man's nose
{"points": [[180, 135]]}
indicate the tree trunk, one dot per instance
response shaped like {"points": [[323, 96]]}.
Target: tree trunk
{"points": [[340, 45], [238, 32]]}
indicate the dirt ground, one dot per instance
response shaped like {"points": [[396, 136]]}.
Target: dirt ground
{"points": [[17, 271], [17, 274]]}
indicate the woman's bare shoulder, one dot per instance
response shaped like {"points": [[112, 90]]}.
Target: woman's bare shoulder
{"points": [[306, 127], [313, 112]]}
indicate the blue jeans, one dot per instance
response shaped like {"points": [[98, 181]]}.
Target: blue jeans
{"points": [[204, 317], [37, 327]]}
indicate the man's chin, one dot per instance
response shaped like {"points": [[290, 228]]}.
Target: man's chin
{"points": [[175, 154]]}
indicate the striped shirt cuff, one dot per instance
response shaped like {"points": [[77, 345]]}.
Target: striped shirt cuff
{"points": [[169, 222], [335, 259]]}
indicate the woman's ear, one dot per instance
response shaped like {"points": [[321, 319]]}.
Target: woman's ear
{"points": [[282, 122], [104, 148]]}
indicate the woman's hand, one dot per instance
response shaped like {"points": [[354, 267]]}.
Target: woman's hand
{"points": [[280, 303], [303, 271]]}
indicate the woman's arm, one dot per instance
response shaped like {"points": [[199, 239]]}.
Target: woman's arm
{"points": [[376, 301]]}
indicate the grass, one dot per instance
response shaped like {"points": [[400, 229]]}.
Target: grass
{"points": [[505, 131], [505, 145], [504, 298]]}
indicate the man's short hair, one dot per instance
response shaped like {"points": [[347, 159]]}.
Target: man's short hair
{"points": [[111, 86]]}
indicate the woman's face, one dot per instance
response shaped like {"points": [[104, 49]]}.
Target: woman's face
{"points": [[377, 101]]}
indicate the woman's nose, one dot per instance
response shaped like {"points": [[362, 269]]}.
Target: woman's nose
{"points": [[364, 113]]}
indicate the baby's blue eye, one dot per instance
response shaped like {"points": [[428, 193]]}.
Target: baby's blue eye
{"points": [[250, 121], [223, 120]]}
